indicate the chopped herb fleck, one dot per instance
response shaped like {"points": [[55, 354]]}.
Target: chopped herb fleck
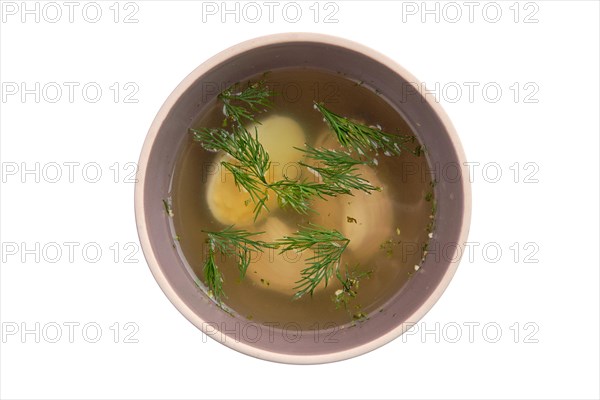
{"points": [[168, 208]]}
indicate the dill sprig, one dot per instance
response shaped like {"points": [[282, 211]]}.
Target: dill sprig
{"points": [[249, 181], [229, 242], [327, 245], [213, 277], [338, 170], [239, 144], [252, 159], [241, 105], [298, 194], [363, 138]]}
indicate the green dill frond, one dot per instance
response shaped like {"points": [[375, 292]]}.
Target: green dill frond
{"points": [[298, 194], [328, 246], [242, 105], [252, 159], [213, 277], [363, 138], [230, 242], [338, 170]]}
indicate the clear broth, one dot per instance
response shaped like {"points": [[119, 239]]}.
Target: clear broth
{"points": [[392, 245]]}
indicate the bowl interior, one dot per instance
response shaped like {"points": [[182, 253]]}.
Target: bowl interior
{"points": [[287, 343]]}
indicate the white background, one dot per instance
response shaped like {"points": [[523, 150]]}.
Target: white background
{"points": [[555, 356]]}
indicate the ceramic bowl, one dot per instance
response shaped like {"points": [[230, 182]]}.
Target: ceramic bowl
{"points": [[425, 117]]}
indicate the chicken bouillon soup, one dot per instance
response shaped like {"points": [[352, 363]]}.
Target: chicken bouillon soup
{"points": [[301, 196]]}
